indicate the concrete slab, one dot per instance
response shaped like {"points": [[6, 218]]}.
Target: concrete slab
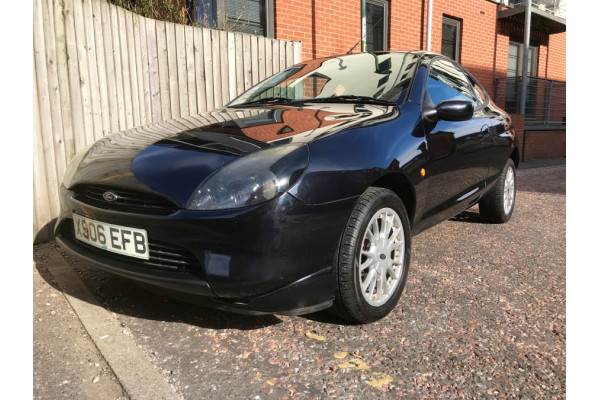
{"points": [[66, 362]]}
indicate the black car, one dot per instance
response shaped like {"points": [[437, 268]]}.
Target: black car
{"points": [[300, 195]]}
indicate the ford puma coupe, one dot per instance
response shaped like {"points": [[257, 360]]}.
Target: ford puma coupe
{"points": [[300, 195]]}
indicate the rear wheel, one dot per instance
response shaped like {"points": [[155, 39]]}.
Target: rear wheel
{"points": [[373, 257], [498, 205]]}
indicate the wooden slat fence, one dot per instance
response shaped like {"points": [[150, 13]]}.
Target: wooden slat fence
{"points": [[100, 69]]}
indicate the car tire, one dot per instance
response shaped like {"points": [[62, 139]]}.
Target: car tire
{"points": [[498, 205], [372, 263]]}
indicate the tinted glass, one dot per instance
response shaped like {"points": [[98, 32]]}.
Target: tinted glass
{"points": [[249, 16], [375, 22], [446, 82], [513, 60], [384, 76], [450, 35]]}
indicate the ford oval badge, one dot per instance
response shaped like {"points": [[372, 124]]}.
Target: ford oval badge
{"points": [[109, 196]]}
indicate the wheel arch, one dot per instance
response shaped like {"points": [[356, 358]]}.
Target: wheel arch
{"points": [[515, 157], [398, 183]]}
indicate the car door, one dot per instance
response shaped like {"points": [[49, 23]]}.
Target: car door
{"points": [[497, 142], [457, 167]]}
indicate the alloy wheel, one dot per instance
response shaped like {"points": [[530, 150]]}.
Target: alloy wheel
{"points": [[381, 257], [509, 190]]}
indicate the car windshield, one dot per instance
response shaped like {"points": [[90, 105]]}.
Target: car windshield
{"points": [[357, 77]]}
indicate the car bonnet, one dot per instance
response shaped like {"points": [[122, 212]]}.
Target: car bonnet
{"points": [[173, 157]]}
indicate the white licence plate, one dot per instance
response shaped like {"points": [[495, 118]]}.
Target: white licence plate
{"points": [[131, 242]]}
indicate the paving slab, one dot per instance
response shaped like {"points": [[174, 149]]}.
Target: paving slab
{"points": [[66, 363]]}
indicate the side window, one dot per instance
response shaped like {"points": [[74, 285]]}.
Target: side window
{"points": [[446, 82]]}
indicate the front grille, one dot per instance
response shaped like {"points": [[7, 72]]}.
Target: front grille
{"points": [[126, 200], [163, 256]]}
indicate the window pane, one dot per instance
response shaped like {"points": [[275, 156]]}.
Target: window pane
{"points": [[375, 25], [446, 82], [248, 16], [450, 37], [532, 64], [449, 40], [513, 60], [205, 13]]}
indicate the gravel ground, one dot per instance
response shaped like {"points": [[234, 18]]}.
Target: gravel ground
{"points": [[482, 316]]}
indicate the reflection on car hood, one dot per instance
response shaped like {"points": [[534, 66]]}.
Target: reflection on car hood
{"points": [[175, 156]]}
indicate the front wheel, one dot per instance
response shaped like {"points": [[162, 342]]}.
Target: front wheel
{"points": [[373, 257], [498, 205]]}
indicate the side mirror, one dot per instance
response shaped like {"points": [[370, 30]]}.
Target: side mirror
{"points": [[455, 110]]}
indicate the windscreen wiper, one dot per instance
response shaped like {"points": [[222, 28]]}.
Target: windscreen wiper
{"points": [[267, 100], [350, 99]]}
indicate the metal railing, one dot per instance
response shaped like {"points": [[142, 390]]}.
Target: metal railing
{"points": [[551, 6], [546, 102]]}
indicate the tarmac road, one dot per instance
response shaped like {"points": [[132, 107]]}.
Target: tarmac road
{"points": [[482, 316]]}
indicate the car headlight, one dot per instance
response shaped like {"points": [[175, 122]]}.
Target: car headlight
{"points": [[252, 179], [73, 165]]}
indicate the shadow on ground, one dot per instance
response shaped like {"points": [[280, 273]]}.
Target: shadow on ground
{"points": [[128, 297], [125, 297], [471, 215]]}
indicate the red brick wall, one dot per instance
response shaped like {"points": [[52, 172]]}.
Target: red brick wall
{"points": [[552, 63], [544, 144], [538, 144], [332, 27], [407, 24], [336, 24]]}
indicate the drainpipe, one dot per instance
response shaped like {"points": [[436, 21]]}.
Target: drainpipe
{"points": [[429, 18], [524, 77], [363, 18]]}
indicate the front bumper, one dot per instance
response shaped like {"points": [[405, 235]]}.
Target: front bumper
{"points": [[276, 257]]}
